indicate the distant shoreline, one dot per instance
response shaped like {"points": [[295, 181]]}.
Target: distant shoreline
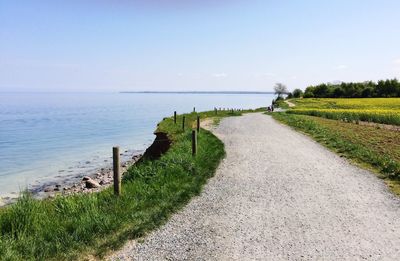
{"points": [[201, 92]]}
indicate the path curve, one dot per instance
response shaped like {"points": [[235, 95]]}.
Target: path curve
{"points": [[290, 104], [278, 195]]}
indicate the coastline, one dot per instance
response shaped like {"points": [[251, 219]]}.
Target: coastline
{"points": [[93, 224], [75, 183]]}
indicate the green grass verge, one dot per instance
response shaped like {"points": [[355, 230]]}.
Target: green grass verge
{"points": [[281, 104], [373, 148], [85, 225]]}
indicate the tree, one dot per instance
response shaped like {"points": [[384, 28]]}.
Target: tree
{"points": [[338, 92], [321, 91], [367, 92], [383, 88], [297, 93], [309, 92], [280, 89]]}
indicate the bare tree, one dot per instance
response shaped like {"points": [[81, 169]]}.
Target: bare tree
{"points": [[280, 89]]}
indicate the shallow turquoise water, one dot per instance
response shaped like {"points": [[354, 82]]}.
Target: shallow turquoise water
{"points": [[48, 135]]}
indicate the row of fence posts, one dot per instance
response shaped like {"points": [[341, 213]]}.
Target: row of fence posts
{"points": [[194, 132], [226, 109], [116, 154]]}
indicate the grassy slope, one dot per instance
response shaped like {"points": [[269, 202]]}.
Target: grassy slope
{"points": [[93, 224], [281, 104], [371, 147]]}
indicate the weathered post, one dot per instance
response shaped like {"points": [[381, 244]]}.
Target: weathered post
{"points": [[198, 123], [194, 142], [117, 175], [183, 123], [175, 117]]}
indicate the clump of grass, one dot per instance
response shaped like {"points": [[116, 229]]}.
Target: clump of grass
{"points": [[366, 145], [93, 224]]}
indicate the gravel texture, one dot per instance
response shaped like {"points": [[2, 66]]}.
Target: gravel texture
{"points": [[278, 195]]}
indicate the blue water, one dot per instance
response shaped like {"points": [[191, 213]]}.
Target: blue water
{"points": [[48, 135]]}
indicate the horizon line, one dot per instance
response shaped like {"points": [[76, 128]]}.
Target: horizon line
{"points": [[202, 92]]}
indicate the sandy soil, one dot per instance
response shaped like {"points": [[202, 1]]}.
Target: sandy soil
{"points": [[278, 195]]}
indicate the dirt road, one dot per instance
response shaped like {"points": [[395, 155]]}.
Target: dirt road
{"points": [[279, 195]]}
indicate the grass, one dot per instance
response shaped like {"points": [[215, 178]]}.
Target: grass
{"points": [[87, 225], [371, 147], [281, 104], [378, 110]]}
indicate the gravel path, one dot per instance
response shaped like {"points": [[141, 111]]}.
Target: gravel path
{"points": [[278, 195], [290, 104]]}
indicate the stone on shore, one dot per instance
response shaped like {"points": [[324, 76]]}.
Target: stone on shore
{"points": [[48, 189], [90, 183]]}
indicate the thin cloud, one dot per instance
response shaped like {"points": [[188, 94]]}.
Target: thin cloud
{"points": [[220, 75], [341, 67]]}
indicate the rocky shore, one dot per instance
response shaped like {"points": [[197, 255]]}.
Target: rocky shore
{"points": [[88, 183], [82, 183]]}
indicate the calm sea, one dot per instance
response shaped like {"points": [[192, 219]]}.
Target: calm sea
{"points": [[49, 135]]}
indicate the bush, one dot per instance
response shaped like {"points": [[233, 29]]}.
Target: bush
{"points": [[297, 93]]}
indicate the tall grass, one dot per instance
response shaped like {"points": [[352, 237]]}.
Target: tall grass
{"points": [[92, 224]]}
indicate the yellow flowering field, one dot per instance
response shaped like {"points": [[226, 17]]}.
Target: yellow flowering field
{"points": [[379, 110]]}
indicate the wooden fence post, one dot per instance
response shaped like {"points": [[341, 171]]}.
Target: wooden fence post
{"points": [[175, 117], [183, 123], [198, 123], [117, 174], [194, 142]]}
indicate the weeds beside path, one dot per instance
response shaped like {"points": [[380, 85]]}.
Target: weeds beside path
{"points": [[278, 195]]}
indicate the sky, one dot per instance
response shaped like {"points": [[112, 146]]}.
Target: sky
{"points": [[178, 45]]}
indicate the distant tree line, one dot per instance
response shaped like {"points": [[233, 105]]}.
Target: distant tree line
{"points": [[383, 88]]}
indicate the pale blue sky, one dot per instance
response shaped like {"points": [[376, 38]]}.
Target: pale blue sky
{"points": [[88, 45]]}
